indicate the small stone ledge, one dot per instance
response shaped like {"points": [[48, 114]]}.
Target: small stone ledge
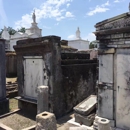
{"points": [[26, 100], [4, 127]]}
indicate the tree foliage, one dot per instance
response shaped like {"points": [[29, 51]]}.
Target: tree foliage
{"points": [[92, 45], [22, 29], [13, 31], [1, 32]]}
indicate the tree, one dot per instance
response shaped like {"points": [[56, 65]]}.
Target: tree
{"points": [[11, 30], [1, 32], [93, 44], [22, 29]]}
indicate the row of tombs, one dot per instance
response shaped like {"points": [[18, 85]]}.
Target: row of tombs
{"points": [[71, 76]]}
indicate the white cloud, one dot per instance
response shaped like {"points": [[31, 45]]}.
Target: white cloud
{"points": [[24, 22], [90, 37], [46, 27], [60, 18], [116, 1], [3, 17], [69, 14], [57, 24], [99, 9], [48, 9], [71, 37], [68, 5], [106, 4]]}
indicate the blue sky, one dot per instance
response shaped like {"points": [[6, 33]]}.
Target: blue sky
{"points": [[60, 17]]}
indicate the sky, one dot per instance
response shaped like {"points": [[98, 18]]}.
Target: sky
{"points": [[60, 17]]}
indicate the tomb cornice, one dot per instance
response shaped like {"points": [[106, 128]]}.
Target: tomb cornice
{"points": [[121, 22]]}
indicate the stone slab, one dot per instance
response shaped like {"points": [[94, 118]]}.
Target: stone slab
{"points": [[86, 106], [81, 128], [74, 124], [72, 121], [30, 128], [4, 127], [85, 120]]}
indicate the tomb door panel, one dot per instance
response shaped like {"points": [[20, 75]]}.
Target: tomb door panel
{"points": [[105, 102], [106, 68], [123, 89], [33, 76], [105, 89]]}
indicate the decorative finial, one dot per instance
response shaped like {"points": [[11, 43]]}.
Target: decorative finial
{"points": [[78, 33], [34, 17]]}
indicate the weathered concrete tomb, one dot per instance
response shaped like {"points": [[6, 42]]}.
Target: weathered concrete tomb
{"points": [[11, 64], [114, 70], [69, 75], [4, 103]]}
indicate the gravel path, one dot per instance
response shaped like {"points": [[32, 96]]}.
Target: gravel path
{"points": [[18, 121]]}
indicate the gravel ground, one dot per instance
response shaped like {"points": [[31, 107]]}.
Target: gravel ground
{"points": [[11, 80], [18, 121], [21, 120], [13, 104]]}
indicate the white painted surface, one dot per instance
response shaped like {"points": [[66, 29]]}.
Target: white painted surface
{"points": [[32, 32], [123, 89], [75, 124], [88, 103], [78, 34], [7, 45], [5, 34], [106, 68], [14, 41], [33, 76], [79, 44], [105, 101]]}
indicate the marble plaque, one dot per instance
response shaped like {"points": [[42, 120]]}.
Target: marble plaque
{"points": [[33, 76], [106, 68], [123, 89], [105, 103]]}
